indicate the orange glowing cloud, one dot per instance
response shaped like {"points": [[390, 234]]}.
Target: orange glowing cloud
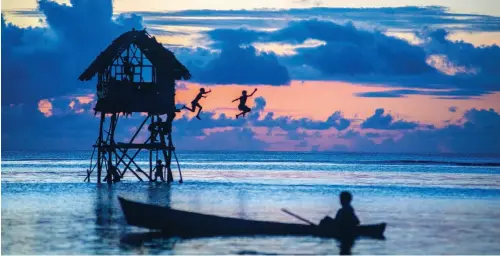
{"points": [[45, 107], [441, 63], [85, 99]]}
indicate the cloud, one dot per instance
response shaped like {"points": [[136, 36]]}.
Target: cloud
{"points": [[350, 51], [243, 65], [238, 139], [296, 135], [373, 135], [380, 121], [402, 93], [237, 37], [234, 62], [453, 109], [260, 104], [42, 63], [477, 134], [435, 67], [336, 121], [194, 127], [71, 125], [50, 124], [394, 18], [478, 58], [349, 134], [33, 130], [25, 128]]}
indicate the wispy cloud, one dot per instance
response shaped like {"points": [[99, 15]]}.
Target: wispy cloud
{"points": [[397, 18]]}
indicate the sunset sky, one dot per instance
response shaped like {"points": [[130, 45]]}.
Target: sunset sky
{"points": [[376, 76]]}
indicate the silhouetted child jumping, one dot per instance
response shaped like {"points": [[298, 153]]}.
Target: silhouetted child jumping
{"points": [[243, 100], [195, 103]]}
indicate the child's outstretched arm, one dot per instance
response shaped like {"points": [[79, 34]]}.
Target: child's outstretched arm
{"points": [[209, 91], [254, 90], [236, 99]]}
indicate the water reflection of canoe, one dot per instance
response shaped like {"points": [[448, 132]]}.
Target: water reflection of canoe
{"points": [[189, 224]]}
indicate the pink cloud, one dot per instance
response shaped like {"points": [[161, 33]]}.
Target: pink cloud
{"points": [[45, 107]]}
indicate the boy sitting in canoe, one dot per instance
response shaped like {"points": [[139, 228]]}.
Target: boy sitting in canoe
{"points": [[345, 219], [345, 215]]}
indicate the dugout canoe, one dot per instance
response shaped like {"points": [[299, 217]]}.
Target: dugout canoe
{"points": [[172, 222]]}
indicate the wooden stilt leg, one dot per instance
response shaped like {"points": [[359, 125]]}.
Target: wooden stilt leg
{"points": [[99, 149], [151, 150]]}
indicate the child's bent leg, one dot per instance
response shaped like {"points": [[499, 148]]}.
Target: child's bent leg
{"points": [[192, 110], [247, 110], [199, 109]]}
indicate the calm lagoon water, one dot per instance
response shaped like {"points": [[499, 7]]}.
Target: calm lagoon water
{"points": [[433, 204]]}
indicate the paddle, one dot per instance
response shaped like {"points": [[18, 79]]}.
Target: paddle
{"points": [[178, 167], [298, 217]]}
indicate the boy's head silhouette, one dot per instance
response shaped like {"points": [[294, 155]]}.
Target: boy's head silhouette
{"points": [[202, 89], [158, 161], [244, 92], [345, 198]]}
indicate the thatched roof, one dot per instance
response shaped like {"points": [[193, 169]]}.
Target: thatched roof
{"points": [[163, 59]]}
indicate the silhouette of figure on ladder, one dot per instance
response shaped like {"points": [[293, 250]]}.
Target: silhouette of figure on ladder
{"points": [[243, 101], [195, 103], [159, 171]]}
